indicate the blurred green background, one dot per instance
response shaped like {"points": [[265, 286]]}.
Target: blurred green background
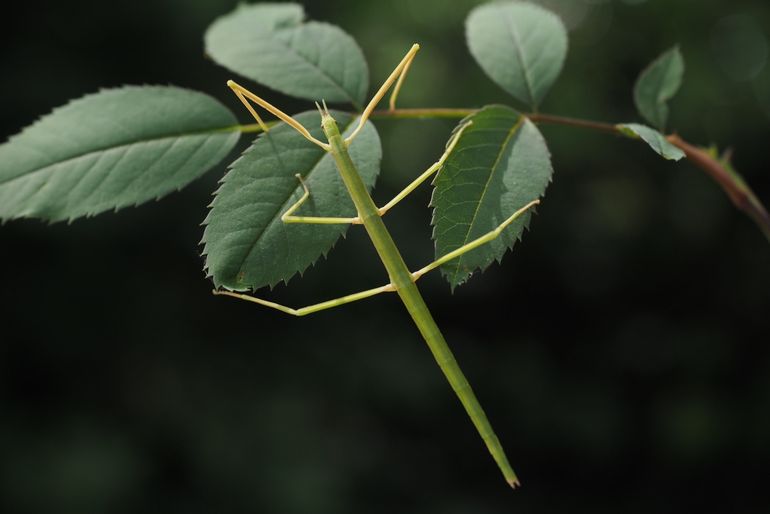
{"points": [[621, 351]]}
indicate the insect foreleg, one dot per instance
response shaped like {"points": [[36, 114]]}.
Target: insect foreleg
{"points": [[244, 93], [288, 217]]}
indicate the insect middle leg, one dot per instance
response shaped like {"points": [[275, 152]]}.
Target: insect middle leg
{"points": [[427, 173], [489, 236]]}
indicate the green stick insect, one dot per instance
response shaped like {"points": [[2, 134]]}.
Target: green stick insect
{"points": [[402, 281]]}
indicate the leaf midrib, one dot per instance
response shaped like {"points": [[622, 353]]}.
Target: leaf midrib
{"points": [[282, 206], [662, 96], [657, 100], [313, 65], [513, 130], [513, 32], [128, 144]]}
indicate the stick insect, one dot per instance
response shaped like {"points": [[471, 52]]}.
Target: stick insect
{"points": [[402, 281]]}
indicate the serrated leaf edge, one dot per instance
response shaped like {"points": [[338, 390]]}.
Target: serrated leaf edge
{"points": [[204, 253], [303, 21], [74, 101], [454, 283]]}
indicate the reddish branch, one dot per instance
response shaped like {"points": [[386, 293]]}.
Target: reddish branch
{"points": [[737, 190]]}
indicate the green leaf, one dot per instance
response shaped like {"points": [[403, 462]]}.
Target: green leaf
{"points": [[247, 246], [113, 149], [270, 43], [500, 164], [653, 138], [520, 46], [658, 84]]}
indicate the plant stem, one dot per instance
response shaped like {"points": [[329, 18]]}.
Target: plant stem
{"points": [[573, 122], [451, 113], [403, 282], [459, 113], [255, 128], [429, 113]]}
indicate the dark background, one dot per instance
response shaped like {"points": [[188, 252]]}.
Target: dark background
{"points": [[621, 351]]}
